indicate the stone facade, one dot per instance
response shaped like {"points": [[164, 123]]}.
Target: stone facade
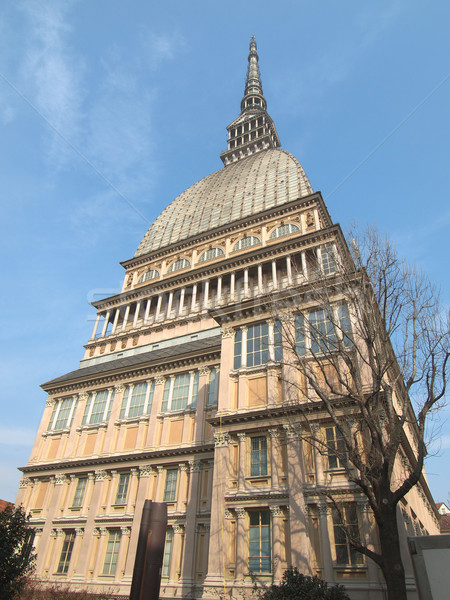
{"points": [[181, 398]]}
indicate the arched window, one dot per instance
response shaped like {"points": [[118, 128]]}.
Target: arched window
{"points": [[148, 275], [283, 230], [246, 242], [210, 254], [182, 263]]}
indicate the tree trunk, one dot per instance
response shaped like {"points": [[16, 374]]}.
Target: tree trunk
{"points": [[392, 565]]}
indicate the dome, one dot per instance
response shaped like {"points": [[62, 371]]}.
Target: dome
{"points": [[247, 187]]}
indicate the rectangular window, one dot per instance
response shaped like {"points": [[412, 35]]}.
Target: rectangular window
{"points": [[170, 490], [328, 259], [337, 456], [346, 528], [98, 407], [213, 387], [278, 341], [346, 329], [137, 400], [237, 349], [112, 552], [79, 491], [300, 345], [258, 456], [167, 552], [62, 414], [259, 551], [323, 334], [122, 488], [66, 552], [257, 345], [180, 391]]}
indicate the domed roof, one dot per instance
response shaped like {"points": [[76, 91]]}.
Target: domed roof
{"points": [[247, 187]]}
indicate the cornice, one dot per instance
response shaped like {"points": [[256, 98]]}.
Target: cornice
{"points": [[303, 201], [131, 458], [120, 374]]}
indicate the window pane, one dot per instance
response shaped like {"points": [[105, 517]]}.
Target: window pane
{"points": [[323, 336], [79, 491], [328, 259], [259, 541], [237, 349], [257, 345], [300, 345], [137, 400], [167, 553], [66, 552], [180, 392], [112, 552], [258, 456], [278, 341], [122, 488], [170, 489]]}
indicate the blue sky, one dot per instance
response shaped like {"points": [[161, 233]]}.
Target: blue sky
{"points": [[109, 110]]}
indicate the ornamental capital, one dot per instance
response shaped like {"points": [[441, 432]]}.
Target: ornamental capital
{"points": [[50, 402], [103, 531], [60, 478], [222, 438], [119, 388], [183, 467], [292, 431], [227, 332], [159, 380], [194, 466], [100, 475], [79, 531], [242, 437], [228, 514], [25, 482], [178, 528], [83, 396], [125, 530], [38, 531], [240, 513], [276, 511], [204, 371], [145, 470], [274, 433]]}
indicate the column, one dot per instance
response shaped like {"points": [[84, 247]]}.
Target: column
{"points": [[277, 515], [181, 305], [123, 551], [219, 289], [191, 512], [175, 563], [159, 484], [136, 314], [116, 319], [289, 269], [246, 281], [304, 264], [143, 492], [94, 331], [147, 311], [182, 488], [125, 319], [232, 285], [158, 307], [105, 324], [169, 304], [206, 294], [274, 274], [194, 297], [325, 542], [260, 278], [241, 535], [132, 491], [242, 437], [275, 458]]}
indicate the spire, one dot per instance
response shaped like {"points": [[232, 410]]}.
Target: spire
{"points": [[253, 130], [253, 87]]}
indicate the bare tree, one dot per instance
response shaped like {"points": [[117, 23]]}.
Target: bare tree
{"points": [[368, 350]]}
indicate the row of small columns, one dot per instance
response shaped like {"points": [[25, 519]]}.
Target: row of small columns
{"points": [[206, 285]]}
